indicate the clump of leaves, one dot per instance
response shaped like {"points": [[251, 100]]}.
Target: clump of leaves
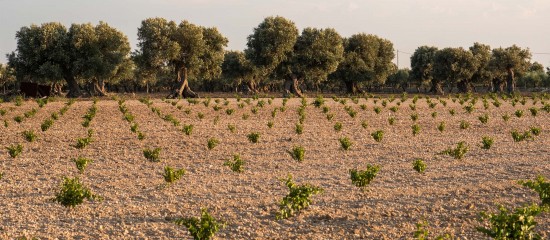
{"points": [[231, 128], [15, 150], [535, 130], [464, 124], [484, 118], [363, 178], [82, 142], [441, 126], [458, 152], [171, 175], [391, 120], [469, 108], [415, 129], [187, 129], [518, 113], [203, 228], [365, 124], [486, 142], [253, 137], [518, 137], [452, 112], [330, 116], [319, 101], [517, 225], [298, 198], [414, 117], [419, 165], [212, 143], [540, 186], [29, 135], [245, 116], [81, 163], [378, 135], [270, 124], [72, 193], [422, 232], [18, 119], [297, 153], [152, 155], [299, 129], [236, 165], [377, 110], [506, 117], [533, 111], [338, 126], [345, 143]]}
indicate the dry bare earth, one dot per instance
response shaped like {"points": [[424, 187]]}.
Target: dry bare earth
{"points": [[449, 195]]}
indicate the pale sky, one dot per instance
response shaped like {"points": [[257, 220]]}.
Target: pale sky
{"points": [[407, 23]]}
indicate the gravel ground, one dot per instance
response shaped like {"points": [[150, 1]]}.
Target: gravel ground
{"points": [[138, 205]]}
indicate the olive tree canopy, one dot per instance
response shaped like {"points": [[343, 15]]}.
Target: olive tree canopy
{"points": [[507, 62], [50, 52], [422, 61], [189, 50], [454, 65]]}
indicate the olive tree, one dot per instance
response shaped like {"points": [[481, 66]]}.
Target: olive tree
{"points": [[271, 43], [51, 52], [367, 59], [6, 76], [483, 74], [422, 61], [238, 70], [454, 65], [399, 79], [189, 50], [506, 63]]}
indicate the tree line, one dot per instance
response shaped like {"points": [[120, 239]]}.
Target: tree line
{"points": [[178, 57]]}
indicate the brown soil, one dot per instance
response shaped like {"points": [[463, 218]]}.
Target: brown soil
{"points": [[449, 195]]}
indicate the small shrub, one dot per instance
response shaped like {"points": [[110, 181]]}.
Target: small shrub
{"points": [[365, 124], [517, 225], [245, 116], [330, 116], [518, 113], [203, 228], [231, 128], [297, 153], [377, 110], [484, 118], [378, 135], [236, 165], [540, 186], [458, 152], [338, 126], [134, 127], [419, 165], [506, 117], [363, 178], [299, 129], [434, 114], [469, 108], [200, 115], [229, 111], [345, 143], [464, 124], [29, 135], [414, 117], [415, 129], [518, 137], [82, 142], [394, 109], [140, 136], [486, 142], [152, 155], [319, 101], [253, 137], [54, 116], [391, 120], [452, 112], [535, 131], [81, 163], [73, 193], [15, 150], [298, 198], [18, 119], [270, 124], [212, 143], [441, 126], [533, 111], [187, 129], [171, 175]]}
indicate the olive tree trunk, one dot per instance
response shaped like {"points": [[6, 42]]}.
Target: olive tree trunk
{"points": [[74, 89], [511, 81], [437, 87], [181, 87], [292, 86]]}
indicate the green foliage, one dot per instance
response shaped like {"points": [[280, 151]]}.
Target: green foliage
{"points": [[506, 225], [319, 101], [415, 129], [458, 152], [419, 165], [338, 126], [152, 155], [486, 142], [270, 124], [231, 128], [518, 113], [469, 108], [452, 112], [535, 130], [29, 135], [229, 111], [506, 117], [187, 129], [391, 120], [236, 165], [297, 153], [377, 110], [365, 124], [377, 135], [441, 126], [18, 119], [82, 142], [298, 198], [464, 124], [212, 143], [422, 232], [18, 100], [201, 229], [299, 129], [171, 175], [345, 143], [253, 137], [363, 178], [518, 137], [414, 117], [15, 150], [533, 111], [81, 163], [484, 118], [73, 193], [540, 186]]}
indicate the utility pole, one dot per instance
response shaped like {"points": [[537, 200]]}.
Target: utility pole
{"points": [[398, 59]]}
